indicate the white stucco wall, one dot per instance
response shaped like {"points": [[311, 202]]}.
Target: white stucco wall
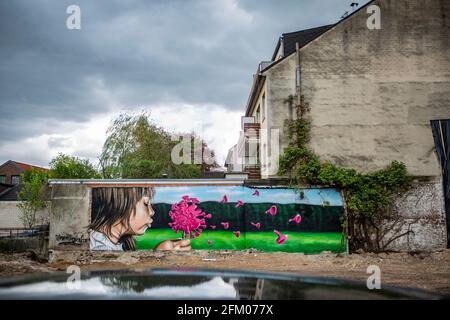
{"points": [[10, 215]]}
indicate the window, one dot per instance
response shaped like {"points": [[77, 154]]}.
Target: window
{"points": [[2, 179], [15, 179], [258, 115]]}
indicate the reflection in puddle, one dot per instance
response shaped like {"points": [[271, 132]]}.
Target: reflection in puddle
{"points": [[170, 284]]}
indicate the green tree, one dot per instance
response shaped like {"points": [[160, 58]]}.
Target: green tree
{"points": [[137, 148], [31, 195], [69, 167]]}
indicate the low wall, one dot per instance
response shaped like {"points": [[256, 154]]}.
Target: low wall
{"points": [[37, 244], [10, 215], [236, 216], [423, 211], [69, 216]]}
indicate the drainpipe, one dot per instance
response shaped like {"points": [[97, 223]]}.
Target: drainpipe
{"points": [[298, 81]]}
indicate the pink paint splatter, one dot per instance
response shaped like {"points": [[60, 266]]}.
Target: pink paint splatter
{"points": [[272, 210], [224, 199], [280, 238], [297, 219], [237, 233], [256, 225], [239, 204], [225, 225], [212, 226], [256, 193], [186, 217]]}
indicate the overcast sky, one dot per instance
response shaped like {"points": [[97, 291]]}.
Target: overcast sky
{"points": [[189, 63]]}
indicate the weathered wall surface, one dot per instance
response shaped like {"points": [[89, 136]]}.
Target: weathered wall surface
{"points": [[10, 215], [421, 210], [372, 93], [280, 84], [69, 216], [423, 213]]}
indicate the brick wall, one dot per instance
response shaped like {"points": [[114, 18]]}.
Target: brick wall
{"points": [[8, 170]]}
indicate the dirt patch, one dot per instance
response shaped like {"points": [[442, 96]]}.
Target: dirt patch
{"points": [[429, 271]]}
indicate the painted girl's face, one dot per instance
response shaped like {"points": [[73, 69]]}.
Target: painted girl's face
{"points": [[142, 218]]}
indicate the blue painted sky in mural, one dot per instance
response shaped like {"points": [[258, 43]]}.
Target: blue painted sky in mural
{"points": [[234, 193]]}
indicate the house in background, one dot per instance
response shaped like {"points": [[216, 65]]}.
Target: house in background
{"points": [[243, 157], [10, 186], [10, 183], [371, 94], [10, 171]]}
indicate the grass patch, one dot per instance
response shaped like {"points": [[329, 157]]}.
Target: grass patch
{"points": [[306, 242]]}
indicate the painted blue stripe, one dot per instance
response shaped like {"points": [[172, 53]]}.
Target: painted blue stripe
{"points": [[316, 196]]}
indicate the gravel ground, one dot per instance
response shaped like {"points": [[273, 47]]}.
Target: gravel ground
{"points": [[429, 271]]}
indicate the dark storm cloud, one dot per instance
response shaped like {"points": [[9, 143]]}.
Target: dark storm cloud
{"points": [[136, 52]]}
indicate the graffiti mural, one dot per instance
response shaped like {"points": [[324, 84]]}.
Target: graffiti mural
{"points": [[216, 218]]}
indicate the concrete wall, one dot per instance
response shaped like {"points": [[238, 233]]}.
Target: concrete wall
{"points": [[372, 93], [69, 216], [10, 215], [423, 213], [280, 84]]}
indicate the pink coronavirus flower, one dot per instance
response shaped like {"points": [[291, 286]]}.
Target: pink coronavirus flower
{"points": [[297, 219], [212, 226], [225, 225], [256, 193], [239, 204], [187, 217], [237, 234], [256, 225], [224, 199], [280, 237], [272, 210]]}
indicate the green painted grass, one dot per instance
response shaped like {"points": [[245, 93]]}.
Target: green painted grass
{"points": [[306, 242]]}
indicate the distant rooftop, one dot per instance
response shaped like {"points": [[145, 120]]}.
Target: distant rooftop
{"points": [[23, 166], [302, 37]]}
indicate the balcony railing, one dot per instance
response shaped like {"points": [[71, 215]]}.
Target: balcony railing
{"points": [[253, 171]]}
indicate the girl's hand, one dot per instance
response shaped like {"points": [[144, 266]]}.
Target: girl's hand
{"points": [[179, 245]]}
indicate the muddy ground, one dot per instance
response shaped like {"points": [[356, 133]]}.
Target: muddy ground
{"points": [[429, 271]]}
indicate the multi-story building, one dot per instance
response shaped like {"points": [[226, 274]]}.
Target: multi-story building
{"points": [[373, 82]]}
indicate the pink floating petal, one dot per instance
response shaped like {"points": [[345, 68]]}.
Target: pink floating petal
{"points": [[272, 210], [224, 199], [297, 219], [209, 242], [208, 216], [239, 204], [237, 233], [280, 238], [256, 193], [213, 226], [225, 225], [256, 225]]}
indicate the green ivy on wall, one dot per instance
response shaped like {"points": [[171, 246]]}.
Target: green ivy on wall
{"points": [[369, 197]]}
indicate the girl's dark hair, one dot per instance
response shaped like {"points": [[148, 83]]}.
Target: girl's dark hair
{"points": [[116, 204]]}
